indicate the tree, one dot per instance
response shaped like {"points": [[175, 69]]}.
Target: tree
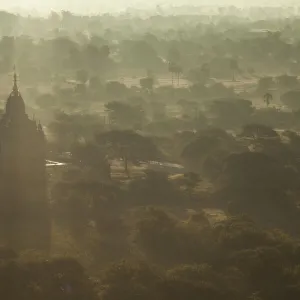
{"points": [[92, 156], [125, 115], [116, 90], [96, 58], [95, 84], [199, 75], [258, 183], [291, 99], [140, 54], [74, 60], [287, 82], [199, 91], [96, 39], [178, 72], [82, 76], [174, 61], [265, 84], [184, 104], [172, 68], [268, 98], [69, 128], [157, 232], [219, 90], [191, 181], [293, 140], [105, 51], [251, 169], [230, 112], [62, 53], [256, 131], [129, 146], [174, 55], [127, 280], [189, 108], [234, 66], [159, 110], [207, 143], [153, 188], [147, 84], [46, 279]]}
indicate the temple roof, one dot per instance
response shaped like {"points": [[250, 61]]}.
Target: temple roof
{"points": [[15, 106], [15, 118]]}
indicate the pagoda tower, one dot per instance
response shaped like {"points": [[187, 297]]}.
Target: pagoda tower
{"points": [[24, 213]]}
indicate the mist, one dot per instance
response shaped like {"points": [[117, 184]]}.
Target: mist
{"points": [[96, 7], [149, 150]]}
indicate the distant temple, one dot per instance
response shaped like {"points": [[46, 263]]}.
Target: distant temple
{"points": [[24, 213]]}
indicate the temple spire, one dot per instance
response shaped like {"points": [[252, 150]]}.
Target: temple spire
{"points": [[15, 106], [15, 87]]}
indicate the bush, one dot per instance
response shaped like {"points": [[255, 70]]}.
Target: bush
{"points": [[56, 279]]}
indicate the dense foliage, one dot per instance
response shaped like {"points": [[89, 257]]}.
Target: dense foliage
{"points": [[178, 143]]}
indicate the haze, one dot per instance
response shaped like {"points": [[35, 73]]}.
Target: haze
{"points": [[152, 152], [92, 6]]}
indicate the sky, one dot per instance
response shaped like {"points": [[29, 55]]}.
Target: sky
{"points": [[90, 6]]}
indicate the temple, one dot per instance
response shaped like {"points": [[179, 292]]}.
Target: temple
{"points": [[24, 213]]}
